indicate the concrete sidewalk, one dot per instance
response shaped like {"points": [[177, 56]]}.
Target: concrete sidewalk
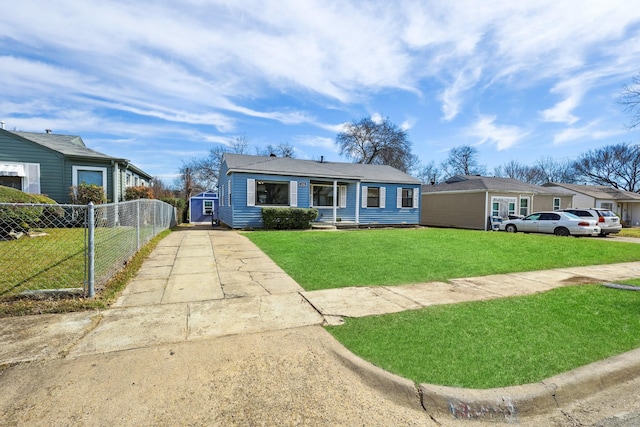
{"points": [[205, 283]]}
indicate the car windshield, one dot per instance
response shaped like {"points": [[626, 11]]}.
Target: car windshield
{"points": [[607, 213], [572, 216]]}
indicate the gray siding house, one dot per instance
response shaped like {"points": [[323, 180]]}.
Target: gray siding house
{"points": [[346, 193], [625, 204], [50, 164], [469, 201]]}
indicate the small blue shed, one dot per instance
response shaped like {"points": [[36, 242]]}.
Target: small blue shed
{"points": [[203, 208]]}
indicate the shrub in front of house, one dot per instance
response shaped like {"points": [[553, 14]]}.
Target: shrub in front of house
{"points": [[179, 204], [288, 218], [139, 192], [23, 218], [85, 193]]}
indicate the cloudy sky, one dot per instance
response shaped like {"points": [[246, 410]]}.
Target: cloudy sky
{"points": [[162, 82]]}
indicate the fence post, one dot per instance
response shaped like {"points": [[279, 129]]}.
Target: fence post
{"points": [[92, 250]]}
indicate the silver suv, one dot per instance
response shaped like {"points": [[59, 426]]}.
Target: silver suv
{"points": [[608, 222]]}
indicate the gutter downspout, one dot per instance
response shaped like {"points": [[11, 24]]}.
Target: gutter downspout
{"points": [[486, 208], [116, 182]]}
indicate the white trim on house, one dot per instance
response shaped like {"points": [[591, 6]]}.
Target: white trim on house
{"points": [[293, 194], [251, 192], [76, 169], [29, 174]]}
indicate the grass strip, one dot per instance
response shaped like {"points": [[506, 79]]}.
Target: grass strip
{"points": [[501, 342], [106, 297], [325, 260]]}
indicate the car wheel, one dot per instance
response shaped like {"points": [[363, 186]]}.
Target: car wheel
{"points": [[511, 228], [561, 231]]}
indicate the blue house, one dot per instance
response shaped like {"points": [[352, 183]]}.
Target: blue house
{"points": [[203, 208], [346, 193]]}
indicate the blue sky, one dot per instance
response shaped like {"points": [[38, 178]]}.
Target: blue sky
{"points": [[163, 82]]}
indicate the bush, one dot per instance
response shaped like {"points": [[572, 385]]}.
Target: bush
{"points": [[179, 204], [139, 192], [85, 193], [288, 218], [22, 218]]}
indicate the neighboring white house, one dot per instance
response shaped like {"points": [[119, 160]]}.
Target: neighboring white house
{"points": [[625, 204]]}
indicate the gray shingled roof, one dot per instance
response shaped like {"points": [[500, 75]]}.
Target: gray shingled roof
{"points": [[471, 183], [69, 145], [316, 169], [598, 191]]}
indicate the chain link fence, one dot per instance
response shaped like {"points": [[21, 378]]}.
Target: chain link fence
{"points": [[73, 249]]}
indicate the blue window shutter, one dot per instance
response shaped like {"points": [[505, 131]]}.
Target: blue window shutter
{"points": [[293, 194], [251, 192], [364, 196], [383, 196], [342, 191], [222, 195]]}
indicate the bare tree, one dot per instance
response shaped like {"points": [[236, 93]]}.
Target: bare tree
{"points": [[613, 165], [366, 141], [462, 160], [630, 99], [204, 172], [239, 145], [284, 149], [160, 190], [516, 170], [428, 174], [547, 169]]}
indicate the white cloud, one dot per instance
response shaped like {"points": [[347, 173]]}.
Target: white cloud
{"points": [[377, 118], [504, 137], [452, 95], [591, 131]]}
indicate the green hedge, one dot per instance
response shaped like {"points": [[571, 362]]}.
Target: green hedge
{"points": [[22, 218], [85, 193], [288, 218], [179, 204]]}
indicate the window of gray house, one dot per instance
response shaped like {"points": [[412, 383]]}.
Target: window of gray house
{"points": [[90, 177]]}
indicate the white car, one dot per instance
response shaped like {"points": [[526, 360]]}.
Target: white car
{"points": [[608, 222], [552, 222]]}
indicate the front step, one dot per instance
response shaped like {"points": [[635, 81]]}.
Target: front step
{"points": [[323, 226]]}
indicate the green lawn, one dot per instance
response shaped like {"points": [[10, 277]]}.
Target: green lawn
{"points": [[484, 344], [630, 232], [55, 260], [500, 342], [323, 260]]}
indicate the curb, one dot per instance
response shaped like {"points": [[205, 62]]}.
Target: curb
{"points": [[503, 404], [398, 389], [510, 403]]}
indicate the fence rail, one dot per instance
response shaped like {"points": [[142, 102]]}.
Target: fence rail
{"points": [[53, 249]]}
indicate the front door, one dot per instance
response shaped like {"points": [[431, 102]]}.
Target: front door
{"points": [[503, 206]]}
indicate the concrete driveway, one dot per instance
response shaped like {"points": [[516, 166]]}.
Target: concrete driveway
{"points": [[212, 332]]}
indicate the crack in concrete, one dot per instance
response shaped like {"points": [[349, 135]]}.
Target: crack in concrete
{"points": [[95, 322]]}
